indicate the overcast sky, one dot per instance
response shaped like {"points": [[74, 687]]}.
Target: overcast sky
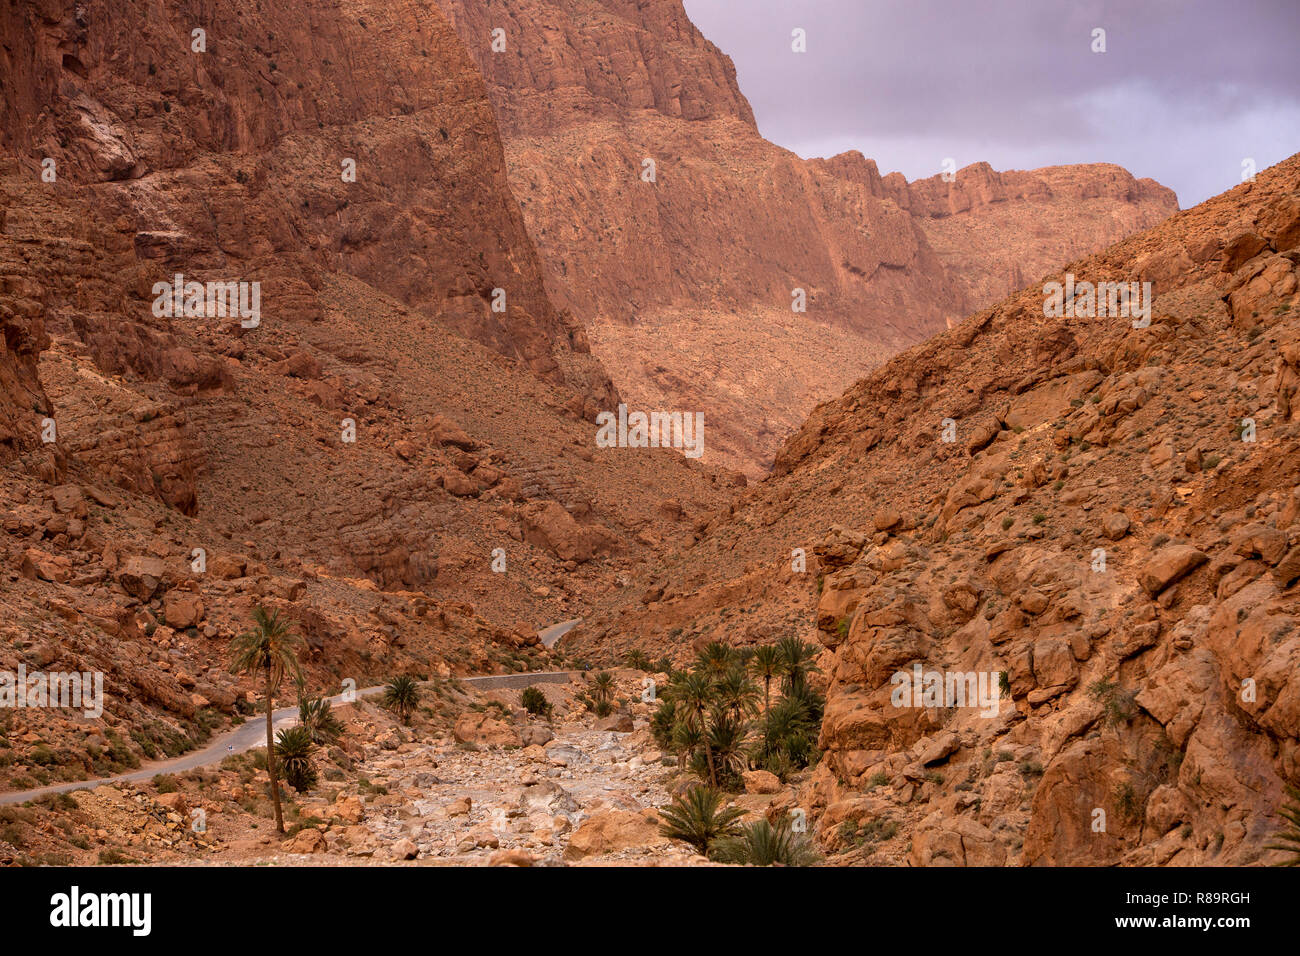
{"points": [[1186, 90]]}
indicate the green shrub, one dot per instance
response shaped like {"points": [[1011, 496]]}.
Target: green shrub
{"points": [[535, 702], [762, 844], [1288, 838], [698, 818], [294, 749], [402, 696]]}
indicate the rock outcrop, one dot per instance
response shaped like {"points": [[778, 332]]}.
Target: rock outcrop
{"points": [[1081, 533], [394, 448], [679, 236]]}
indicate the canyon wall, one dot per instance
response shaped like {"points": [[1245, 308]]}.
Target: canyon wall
{"points": [[405, 472], [1096, 515], [687, 282]]}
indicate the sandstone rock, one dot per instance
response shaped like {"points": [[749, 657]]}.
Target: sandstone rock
{"points": [[761, 781], [618, 722], [445, 432], [41, 565], [515, 857], [405, 849], [141, 576], [957, 842], [612, 830], [547, 525], [1287, 571], [1116, 525], [309, 840], [69, 500], [1169, 565], [182, 609], [485, 731], [536, 735], [348, 810], [886, 519]]}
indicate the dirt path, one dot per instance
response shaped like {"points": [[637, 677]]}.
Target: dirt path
{"points": [[252, 733]]}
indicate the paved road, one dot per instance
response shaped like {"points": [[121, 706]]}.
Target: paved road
{"points": [[550, 635], [252, 733]]}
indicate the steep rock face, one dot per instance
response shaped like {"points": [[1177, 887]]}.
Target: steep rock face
{"points": [[687, 282], [22, 400], [1097, 516], [266, 120], [224, 157], [558, 65], [348, 459], [996, 232]]}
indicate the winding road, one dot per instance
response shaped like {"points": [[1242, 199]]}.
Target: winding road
{"points": [[252, 732]]}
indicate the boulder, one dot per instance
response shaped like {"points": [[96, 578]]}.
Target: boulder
{"points": [[761, 781], [182, 609], [306, 841], [485, 731], [40, 565], [618, 723], [141, 576], [613, 830], [1116, 525], [1168, 565], [516, 857]]}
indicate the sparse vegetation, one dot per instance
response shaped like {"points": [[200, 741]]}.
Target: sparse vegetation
{"points": [[1118, 703], [402, 696], [294, 749], [1288, 838], [535, 702], [762, 844], [698, 818], [272, 649]]}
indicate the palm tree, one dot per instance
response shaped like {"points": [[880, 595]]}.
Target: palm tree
{"points": [[294, 749], [273, 649], [638, 660], [725, 740], [715, 658], [698, 819], [736, 692], [766, 663], [402, 694], [663, 722], [686, 739], [796, 662], [790, 728], [602, 691], [762, 844], [1289, 836], [317, 715], [693, 692]]}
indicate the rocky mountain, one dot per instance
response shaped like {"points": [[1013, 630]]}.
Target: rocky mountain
{"points": [[369, 446], [1096, 514], [678, 235]]}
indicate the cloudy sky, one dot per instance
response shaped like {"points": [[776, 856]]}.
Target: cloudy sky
{"points": [[1186, 90]]}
